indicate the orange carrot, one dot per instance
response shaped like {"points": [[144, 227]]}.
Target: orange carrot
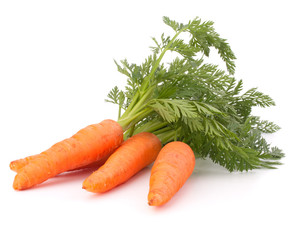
{"points": [[88, 145], [133, 155], [173, 166]]}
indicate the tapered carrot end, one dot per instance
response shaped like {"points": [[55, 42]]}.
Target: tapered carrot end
{"points": [[12, 166], [87, 185], [155, 199], [96, 183], [18, 183], [16, 187]]}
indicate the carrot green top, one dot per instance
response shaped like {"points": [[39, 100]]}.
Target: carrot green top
{"points": [[196, 102]]}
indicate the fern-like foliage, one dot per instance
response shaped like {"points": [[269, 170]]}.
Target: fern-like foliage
{"points": [[197, 102]]}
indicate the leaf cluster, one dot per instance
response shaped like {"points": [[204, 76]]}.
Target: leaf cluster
{"points": [[196, 102]]}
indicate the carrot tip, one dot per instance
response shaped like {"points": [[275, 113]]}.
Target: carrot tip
{"points": [[155, 199], [150, 202], [86, 185], [16, 186], [12, 166]]}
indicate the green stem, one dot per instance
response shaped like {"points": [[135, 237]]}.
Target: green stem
{"points": [[163, 130], [119, 112], [155, 67], [167, 134], [131, 120], [131, 131], [145, 92], [142, 101], [138, 102], [131, 105], [150, 126]]}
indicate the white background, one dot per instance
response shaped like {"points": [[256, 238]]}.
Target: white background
{"points": [[56, 67]]}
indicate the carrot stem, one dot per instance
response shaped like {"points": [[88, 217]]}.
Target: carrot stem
{"points": [[150, 126], [131, 120], [163, 130], [131, 131], [119, 112], [134, 111], [155, 67], [138, 103]]}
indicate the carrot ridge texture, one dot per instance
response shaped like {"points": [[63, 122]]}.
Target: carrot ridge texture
{"points": [[133, 155], [90, 144], [17, 165], [173, 166]]}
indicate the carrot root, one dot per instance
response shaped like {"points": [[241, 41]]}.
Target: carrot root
{"points": [[88, 145], [173, 166], [133, 155]]}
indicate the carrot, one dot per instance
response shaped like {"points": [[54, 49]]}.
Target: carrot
{"points": [[133, 155], [173, 166], [88, 145]]}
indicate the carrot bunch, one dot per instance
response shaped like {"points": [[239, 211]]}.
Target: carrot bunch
{"points": [[166, 113], [125, 161]]}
